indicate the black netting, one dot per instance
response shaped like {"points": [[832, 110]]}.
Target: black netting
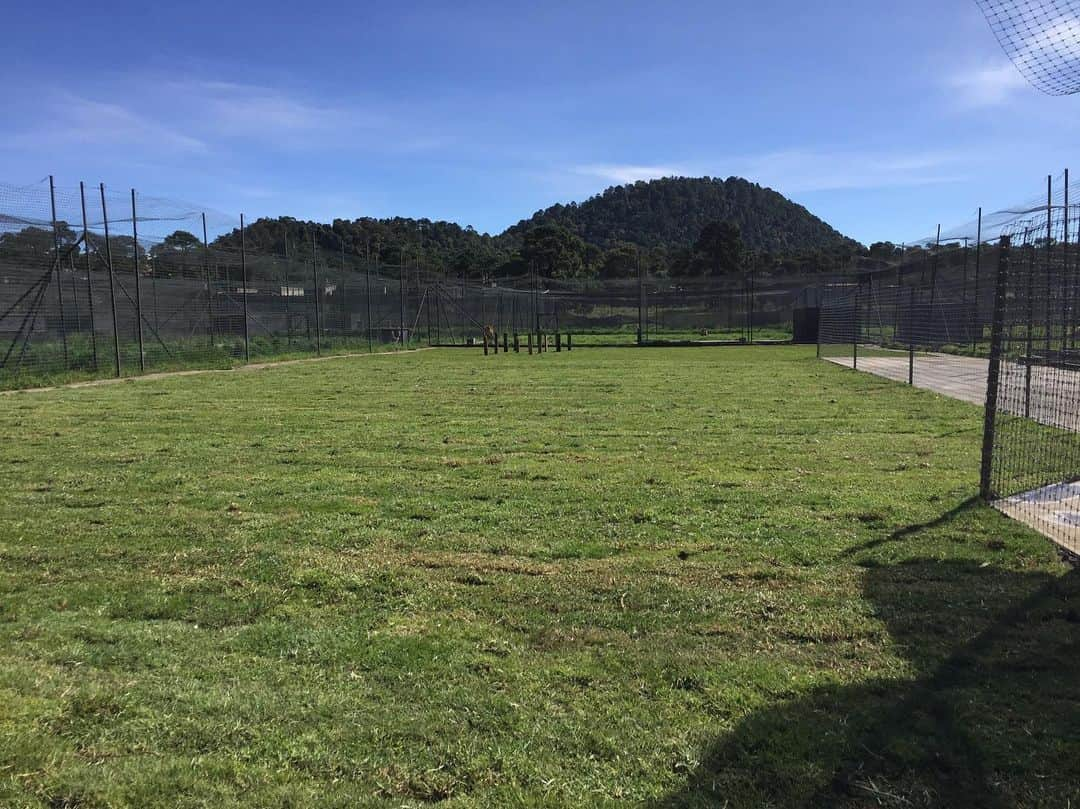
{"points": [[1042, 38], [993, 323]]}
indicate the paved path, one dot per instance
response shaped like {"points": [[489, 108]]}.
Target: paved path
{"points": [[1055, 392], [962, 378]]}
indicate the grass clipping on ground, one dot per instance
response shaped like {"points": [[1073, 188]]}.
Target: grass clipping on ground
{"points": [[678, 577]]}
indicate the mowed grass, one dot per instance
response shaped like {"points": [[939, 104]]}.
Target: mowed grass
{"points": [[671, 577]]}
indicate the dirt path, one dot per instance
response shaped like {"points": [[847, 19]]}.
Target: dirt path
{"points": [[254, 366]]}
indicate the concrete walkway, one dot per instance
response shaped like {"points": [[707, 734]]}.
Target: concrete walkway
{"points": [[1054, 392], [962, 378], [1053, 511]]}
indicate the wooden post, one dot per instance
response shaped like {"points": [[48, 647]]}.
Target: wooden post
{"points": [[530, 343]]}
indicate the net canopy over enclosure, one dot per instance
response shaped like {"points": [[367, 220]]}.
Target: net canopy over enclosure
{"points": [[1042, 38]]}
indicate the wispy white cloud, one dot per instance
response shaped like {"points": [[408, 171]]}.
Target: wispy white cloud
{"points": [[986, 86], [802, 170], [74, 120], [145, 116], [624, 173], [796, 170], [245, 110]]}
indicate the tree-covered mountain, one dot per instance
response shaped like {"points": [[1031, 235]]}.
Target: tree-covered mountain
{"points": [[672, 212], [678, 226]]}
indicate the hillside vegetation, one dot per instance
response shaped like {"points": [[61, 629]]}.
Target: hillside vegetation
{"points": [[676, 226]]}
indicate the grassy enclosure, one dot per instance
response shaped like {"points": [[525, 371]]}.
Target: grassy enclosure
{"points": [[679, 578]]}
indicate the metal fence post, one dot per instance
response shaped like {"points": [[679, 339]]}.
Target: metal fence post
{"points": [[993, 376], [59, 282], [977, 330], [911, 337], [286, 294], [750, 319], [244, 290], [89, 283], [402, 278], [367, 300], [1049, 254], [641, 301], [138, 286], [112, 283], [1030, 342], [427, 312], [315, 281], [855, 329], [209, 285], [1065, 265]]}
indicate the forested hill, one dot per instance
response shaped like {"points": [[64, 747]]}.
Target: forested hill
{"points": [[677, 226], [673, 211]]}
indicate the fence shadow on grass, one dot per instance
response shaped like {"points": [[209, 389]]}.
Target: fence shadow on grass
{"points": [[900, 534], [989, 718]]}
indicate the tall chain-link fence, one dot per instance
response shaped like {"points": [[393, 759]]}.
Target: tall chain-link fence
{"points": [[994, 323], [1032, 453], [98, 283]]}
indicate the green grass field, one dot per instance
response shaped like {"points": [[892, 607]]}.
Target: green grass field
{"points": [[45, 364], [730, 577]]}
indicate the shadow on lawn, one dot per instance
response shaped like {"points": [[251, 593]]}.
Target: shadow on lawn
{"points": [[990, 718]]}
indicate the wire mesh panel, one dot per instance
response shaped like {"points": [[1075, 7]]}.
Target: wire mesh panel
{"points": [[96, 282], [1034, 443], [921, 323], [54, 300], [622, 311]]}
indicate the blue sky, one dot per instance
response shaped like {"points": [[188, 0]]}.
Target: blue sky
{"points": [[883, 118]]}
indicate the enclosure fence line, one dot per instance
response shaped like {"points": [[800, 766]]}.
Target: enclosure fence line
{"points": [[994, 324], [95, 282]]}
